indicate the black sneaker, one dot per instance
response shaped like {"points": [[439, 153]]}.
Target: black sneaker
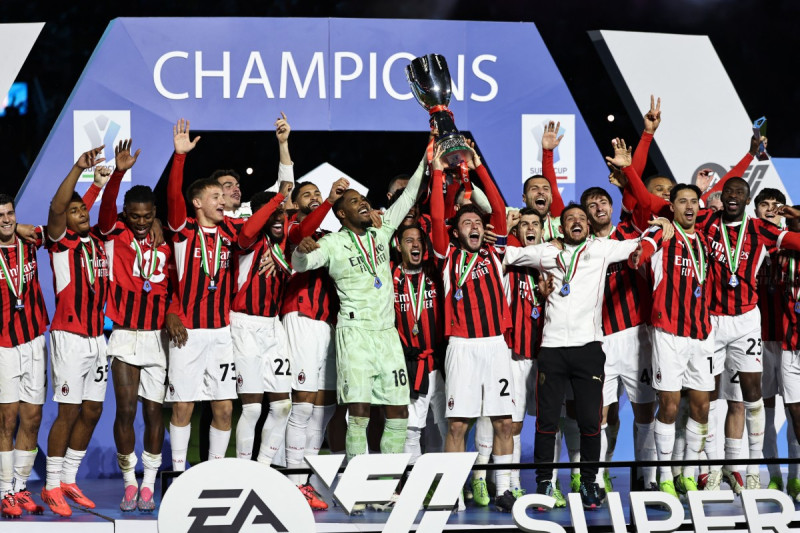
{"points": [[505, 502], [546, 488], [651, 487], [590, 495]]}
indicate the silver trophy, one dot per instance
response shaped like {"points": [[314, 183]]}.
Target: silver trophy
{"points": [[429, 79]]}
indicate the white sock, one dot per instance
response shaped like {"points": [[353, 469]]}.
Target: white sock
{"points": [[646, 447], [296, 438], [127, 465], [732, 449], [612, 430], [793, 446], [515, 457], [711, 448], [320, 417], [679, 448], [151, 463], [665, 442], [72, 462], [6, 472], [556, 454], [217, 443], [755, 421], [695, 440], [484, 440], [412, 444], [246, 430], [771, 441], [481, 460], [603, 449], [572, 436], [179, 444], [502, 478], [23, 465], [54, 467], [274, 431]]}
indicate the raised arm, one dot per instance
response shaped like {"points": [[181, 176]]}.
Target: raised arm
{"points": [[498, 216], [398, 211], [550, 141], [736, 171], [108, 206], [176, 213], [439, 237], [249, 232], [57, 217], [313, 220], [652, 119], [102, 174]]}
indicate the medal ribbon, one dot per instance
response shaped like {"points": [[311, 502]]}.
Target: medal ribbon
{"points": [[551, 228], [699, 273], [534, 300], [362, 251], [569, 271], [465, 269], [416, 301], [277, 255], [733, 260], [89, 261], [15, 286], [140, 260], [204, 255]]}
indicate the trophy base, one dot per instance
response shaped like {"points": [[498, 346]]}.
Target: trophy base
{"points": [[454, 149]]}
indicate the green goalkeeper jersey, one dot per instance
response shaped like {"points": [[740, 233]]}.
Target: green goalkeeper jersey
{"points": [[359, 265]]}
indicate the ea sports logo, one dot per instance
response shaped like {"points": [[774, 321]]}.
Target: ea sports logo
{"points": [[65, 389], [233, 495], [301, 377]]}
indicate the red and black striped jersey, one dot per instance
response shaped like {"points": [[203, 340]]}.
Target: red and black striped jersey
{"points": [[678, 306], [259, 294], [479, 307], [770, 301], [429, 330], [21, 325], [199, 306], [80, 277], [788, 294], [761, 238], [527, 312], [627, 299], [311, 294], [129, 304]]}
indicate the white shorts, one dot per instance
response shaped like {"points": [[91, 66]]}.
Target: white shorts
{"points": [[312, 352], [479, 380], [521, 374], [79, 367], [23, 372], [624, 370], [790, 376], [146, 350], [681, 362], [433, 401], [771, 376], [261, 354], [203, 369], [737, 342]]}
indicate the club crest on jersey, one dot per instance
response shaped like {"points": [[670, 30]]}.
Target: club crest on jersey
{"points": [[658, 376], [171, 389], [451, 403], [65, 389], [301, 377], [239, 381]]}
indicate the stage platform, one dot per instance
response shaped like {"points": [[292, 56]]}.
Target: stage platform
{"points": [[107, 517]]}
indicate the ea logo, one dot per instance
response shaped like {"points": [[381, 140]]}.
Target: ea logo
{"points": [[233, 495]]}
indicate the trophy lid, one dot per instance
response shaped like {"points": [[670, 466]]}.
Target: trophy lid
{"points": [[429, 79]]}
